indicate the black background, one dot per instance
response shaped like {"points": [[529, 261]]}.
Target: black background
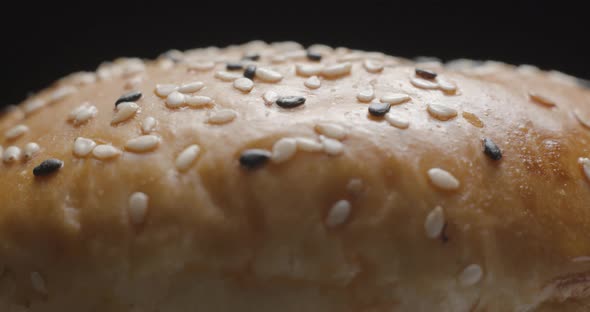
{"points": [[41, 43]]}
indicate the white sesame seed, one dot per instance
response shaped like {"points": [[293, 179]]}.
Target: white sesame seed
{"points": [[38, 282], [443, 179], [125, 110], [309, 145], [487, 68], [270, 97], [114, 70], [337, 70], [462, 65], [355, 186], [527, 69], [31, 149], [173, 54], [283, 150], [222, 116], [331, 130], [447, 85], [584, 162], [72, 218], [227, 76], [352, 57], [133, 83], [332, 147], [441, 112], [104, 72], [175, 99], [423, 83], [339, 213], [165, 89], [131, 66], [84, 114], [307, 70], [374, 55], [540, 99], [268, 75], [72, 115], [583, 121], [341, 50], [435, 222], [33, 106], [201, 66], [320, 48], [564, 78], [366, 95], [61, 93], [83, 146], [397, 121], [187, 157], [11, 154], [276, 59], [581, 259], [220, 59], [208, 51], [471, 275], [144, 143], [286, 46], [165, 64], [105, 152], [298, 54], [254, 45], [243, 84], [313, 82], [84, 78], [394, 98], [191, 87], [198, 101], [16, 132], [138, 206], [79, 78], [373, 66], [148, 125]]}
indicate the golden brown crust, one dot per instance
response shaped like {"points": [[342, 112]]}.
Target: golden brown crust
{"points": [[221, 237]]}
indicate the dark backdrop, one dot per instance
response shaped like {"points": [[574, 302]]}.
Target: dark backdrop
{"points": [[42, 42]]}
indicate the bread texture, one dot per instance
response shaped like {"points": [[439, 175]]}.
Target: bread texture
{"points": [[394, 186]]}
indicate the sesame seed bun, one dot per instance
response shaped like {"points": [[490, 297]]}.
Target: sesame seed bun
{"points": [[297, 179]]}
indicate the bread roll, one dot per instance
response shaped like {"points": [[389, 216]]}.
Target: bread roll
{"points": [[227, 180]]}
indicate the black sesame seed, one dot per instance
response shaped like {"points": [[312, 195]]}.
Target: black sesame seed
{"points": [[129, 97], [426, 74], [251, 57], [491, 149], [254, 158], [379, 109], [234, 66], [314, 56], [47, 167], [250, 71], [290, 101]]}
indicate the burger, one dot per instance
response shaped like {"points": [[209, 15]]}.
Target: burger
{"points": [[274, 177]]}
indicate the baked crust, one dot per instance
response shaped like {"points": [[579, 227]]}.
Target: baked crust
{"points": [[221, 237]]}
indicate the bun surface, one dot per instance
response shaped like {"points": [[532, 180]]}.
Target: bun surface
{"points": [[329, 180]]}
